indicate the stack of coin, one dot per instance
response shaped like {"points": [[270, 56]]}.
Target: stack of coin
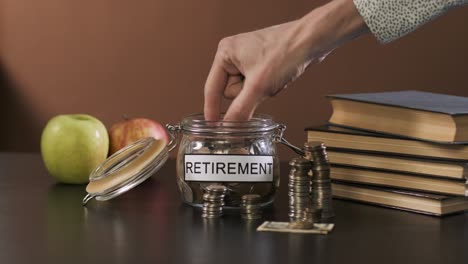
{"points": [[321, 192], [250, 206], [213, 201], [299, 187], [310, 216]]}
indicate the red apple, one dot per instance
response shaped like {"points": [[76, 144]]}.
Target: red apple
{"points": [[128, 131]]}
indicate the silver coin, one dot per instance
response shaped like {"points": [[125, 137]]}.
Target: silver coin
{"points": [[304, 193], [251, 198], [299, 162], [299, 186], [260, 146], [298, 177], [213, 212], [304, 181], [298, 199], [250, 211], [207, 211], [299, 194], [204, 185], [320, 175], [209, 205], [214, 201], [251, 207], [211, 208], [300, 207], [238, 151], [216, 188], [294, 186], [196, 147], [299, 181], [298, 174], [211, 197], [299, 190], [210, 216], [251, 216], [300, 204]]}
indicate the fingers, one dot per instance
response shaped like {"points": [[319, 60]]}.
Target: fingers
{"points": [[244, 105], [233, 86], [214, 89]]}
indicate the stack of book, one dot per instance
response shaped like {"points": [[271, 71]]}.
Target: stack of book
{"points": [[406, 150]]}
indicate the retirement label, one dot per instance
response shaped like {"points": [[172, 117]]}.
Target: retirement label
{"points": [[228, 168]]}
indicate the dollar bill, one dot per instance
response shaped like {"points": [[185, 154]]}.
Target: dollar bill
{"points": [[322, 228]]}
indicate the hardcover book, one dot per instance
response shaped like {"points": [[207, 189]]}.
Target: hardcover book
{"points": [[351, 139], [419, 202], [414, 114], [428, 167], [399, 180]]}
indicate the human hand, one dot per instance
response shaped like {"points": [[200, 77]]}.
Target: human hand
{"points": [[254, 66], [251, 67]]}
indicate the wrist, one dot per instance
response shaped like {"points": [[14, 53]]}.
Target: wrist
{"points": [[331, 25]]}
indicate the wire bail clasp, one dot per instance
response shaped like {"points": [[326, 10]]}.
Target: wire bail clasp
{"points": [[173, 131], [279, 138]]}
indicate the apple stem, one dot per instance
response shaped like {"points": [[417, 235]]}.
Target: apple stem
{"points": [[125, 117]]}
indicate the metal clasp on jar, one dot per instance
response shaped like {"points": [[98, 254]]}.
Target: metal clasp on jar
{"points": [[173, 131], [279, 138]]}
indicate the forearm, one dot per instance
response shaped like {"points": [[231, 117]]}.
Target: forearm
{"points": [[391, 19], [329, 26]]}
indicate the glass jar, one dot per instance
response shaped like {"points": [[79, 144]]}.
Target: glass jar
{"points": [[240, 155]]}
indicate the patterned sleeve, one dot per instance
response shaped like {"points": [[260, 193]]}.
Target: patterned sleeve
{"points": [[391, 19]]}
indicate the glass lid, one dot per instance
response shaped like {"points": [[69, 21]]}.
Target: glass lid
{"points": [[127, 168]]}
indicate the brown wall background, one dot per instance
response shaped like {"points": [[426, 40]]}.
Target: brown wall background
{"points": [[111, 58]]}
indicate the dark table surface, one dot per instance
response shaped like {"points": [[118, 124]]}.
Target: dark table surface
{"points": [[44, 222]]}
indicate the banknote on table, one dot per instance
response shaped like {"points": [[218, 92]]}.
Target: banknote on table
{"points": [[322, 228]]}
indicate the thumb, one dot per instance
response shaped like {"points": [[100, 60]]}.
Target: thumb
{"points": [[243, 106]]}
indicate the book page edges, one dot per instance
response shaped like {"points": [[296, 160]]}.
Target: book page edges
{"points": [[383, 145], [400, 164], [401, 201], [390, 199], [400, 181], [394, 120]]}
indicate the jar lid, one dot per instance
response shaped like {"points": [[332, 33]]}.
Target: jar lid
{"points": [[126, 169]]}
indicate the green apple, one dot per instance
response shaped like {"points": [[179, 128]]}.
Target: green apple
{"points": [[72, 146]]}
